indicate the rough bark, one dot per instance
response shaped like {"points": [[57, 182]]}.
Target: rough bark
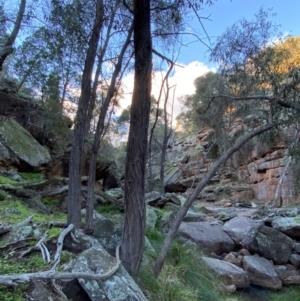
{"points": [[135, 211], [184, 209], [8, 46], [74, 204], [98, 134]]}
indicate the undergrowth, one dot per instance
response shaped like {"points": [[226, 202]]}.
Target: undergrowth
{"points": [[184, 276], [31, 263]]}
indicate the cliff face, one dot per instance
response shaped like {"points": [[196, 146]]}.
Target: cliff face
{"points": [[261, 171]]}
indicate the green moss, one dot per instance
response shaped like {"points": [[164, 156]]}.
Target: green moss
{"points": [[32, 176], [7, 181], [106, 208], [13, 293], [2, 195], [31, 263], [53, 232], [22, 143], [15, 211]]}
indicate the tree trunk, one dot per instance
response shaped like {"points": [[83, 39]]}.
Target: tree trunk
{"points": [[89, 226], [166, 134], [8, 46], [135, 210], [184, 209], [156, 119], [74, 203]]}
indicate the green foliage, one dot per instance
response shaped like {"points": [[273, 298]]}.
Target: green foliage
{"points": [[183, 278]]}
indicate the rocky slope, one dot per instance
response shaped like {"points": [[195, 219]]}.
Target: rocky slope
{"points": [[259, 172]]}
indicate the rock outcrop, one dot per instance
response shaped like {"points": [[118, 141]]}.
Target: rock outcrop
{"points": [[19, 148]]}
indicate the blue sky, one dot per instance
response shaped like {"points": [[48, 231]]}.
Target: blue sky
{"points": [[226, 12]]}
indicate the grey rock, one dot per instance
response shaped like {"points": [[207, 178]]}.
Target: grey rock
{"points": [[261, 272], [287, 225], [192, 216], [21, 146], [232, 274], [295, 260], [151, 218], [297, 247], [118, 287], [287, 276], [210, 237], [269, 243], [39, 291], [238, 227]]}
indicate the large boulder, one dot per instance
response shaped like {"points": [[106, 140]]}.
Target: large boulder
{"points": [[261, 272], [19, 148], [238, 227], [232, 274], [118, 287], [26, 112], [288, 225], [269, 243], [209, 236]]}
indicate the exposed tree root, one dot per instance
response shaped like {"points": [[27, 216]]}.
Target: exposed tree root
{"points": [[13, 280], [7, 228]]}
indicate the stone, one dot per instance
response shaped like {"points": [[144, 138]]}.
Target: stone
{"points": [[295, 260], [38, 291], [261, 272], [225, 214], [192, 216], [287, 276], [287, 225], [210, 237], [238, 227], [232, 274], [106, 232], [151, 218], [119, 287], [172, 180], [269, 243], [231, 258], [24, 150], [297, 247]]}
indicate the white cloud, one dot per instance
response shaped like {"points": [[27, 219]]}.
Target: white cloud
{"points": [[182, 77]]}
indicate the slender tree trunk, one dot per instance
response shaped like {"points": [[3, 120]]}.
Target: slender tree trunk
{"points": [[89, 226], [135, 210], [156, 119], [74, 203], [8, 46], [184, 209], [166, 134]]}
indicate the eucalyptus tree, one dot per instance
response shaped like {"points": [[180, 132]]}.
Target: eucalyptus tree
{"points": [[8, 42], [253, 85]]}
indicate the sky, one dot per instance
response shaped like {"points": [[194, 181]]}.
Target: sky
{"points": [[194, 58]]}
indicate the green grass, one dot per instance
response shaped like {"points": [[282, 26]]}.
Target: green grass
{"points": [[290, 293], [184, 276], [106, 208], [15, 211], [7, 181], [32, 176], [31, 263]]}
